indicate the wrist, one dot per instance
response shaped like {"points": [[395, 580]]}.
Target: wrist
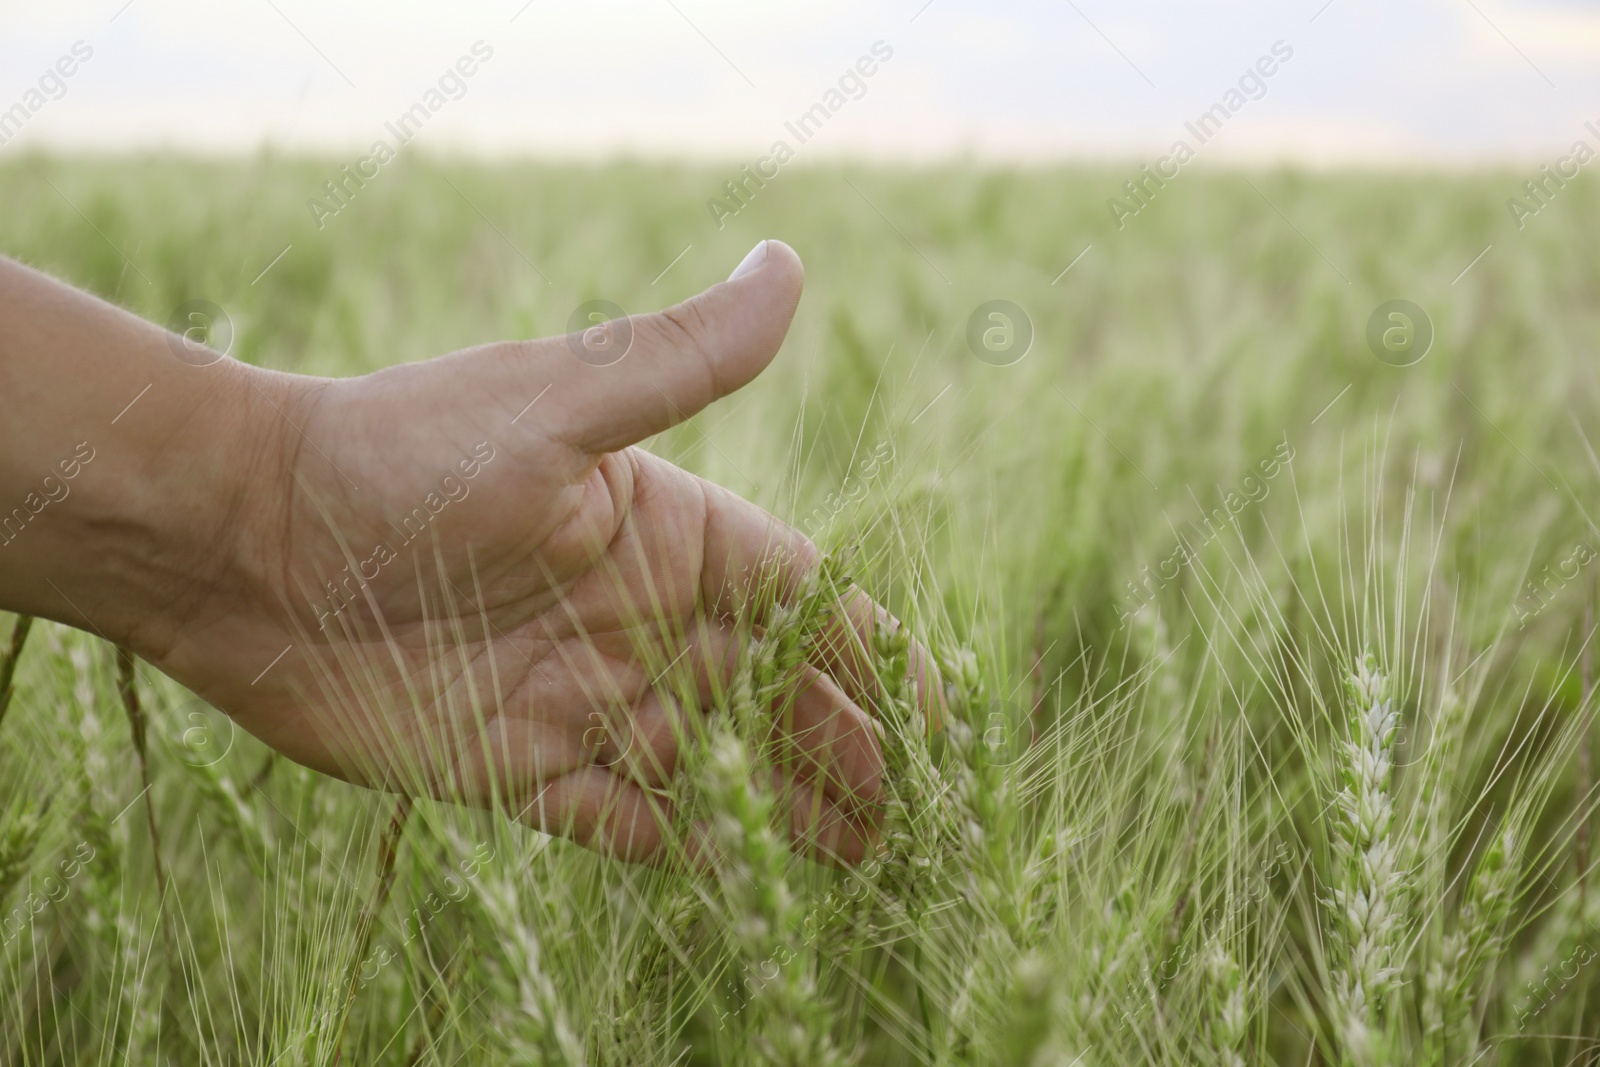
{"points": [[144, 480], [158, 519], [193, 528]]}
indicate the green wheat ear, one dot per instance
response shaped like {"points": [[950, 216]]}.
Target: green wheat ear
{"points": [[784, 1020], [19, 835], [1366, 901], [1036, 1036], [1472, 950], [1228, 1019]]}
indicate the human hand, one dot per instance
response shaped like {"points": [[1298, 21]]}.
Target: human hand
{"points": [[525, 575]]}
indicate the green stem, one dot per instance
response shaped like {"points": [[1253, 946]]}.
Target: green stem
{"points": [[9, 657], [922, 1002], [388, 849], [127, 689]]}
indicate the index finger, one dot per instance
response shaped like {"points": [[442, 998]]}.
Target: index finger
{"points": [[754, 562]]}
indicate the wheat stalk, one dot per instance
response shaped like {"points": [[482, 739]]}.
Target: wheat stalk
{"points": [[1430, 856], [9, 657], [388, 849]]}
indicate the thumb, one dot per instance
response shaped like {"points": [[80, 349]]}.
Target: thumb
{"points": [[677, 361]]}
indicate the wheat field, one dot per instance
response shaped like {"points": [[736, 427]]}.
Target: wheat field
{"points": [[1266, 638]]}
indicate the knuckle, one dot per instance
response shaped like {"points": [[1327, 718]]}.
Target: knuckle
{"points": [[687, 322], [687, 326]]}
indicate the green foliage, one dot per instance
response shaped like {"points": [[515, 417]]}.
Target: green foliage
{"points": [[1171, 812]]}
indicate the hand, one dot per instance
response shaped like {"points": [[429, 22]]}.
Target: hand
{"points": [[507, 581]]}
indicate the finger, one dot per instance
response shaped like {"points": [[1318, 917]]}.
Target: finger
{"points": [[826, 738], [642, 743], [642, 739], [819, 733], [818, 730], [604, 812], [818, 828], [660, 369], [844, 650], [753, 561], [505, 761], [615, 817]]}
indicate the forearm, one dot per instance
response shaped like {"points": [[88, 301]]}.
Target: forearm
{"points": [[125, 470]]}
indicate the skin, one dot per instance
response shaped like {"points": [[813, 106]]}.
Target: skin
{"points": [[503, 656]]}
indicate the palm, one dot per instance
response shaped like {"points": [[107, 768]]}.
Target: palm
{"points": [[478, 596]]}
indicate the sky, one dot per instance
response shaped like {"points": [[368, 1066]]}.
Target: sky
{"points": [[1425, 82]]}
